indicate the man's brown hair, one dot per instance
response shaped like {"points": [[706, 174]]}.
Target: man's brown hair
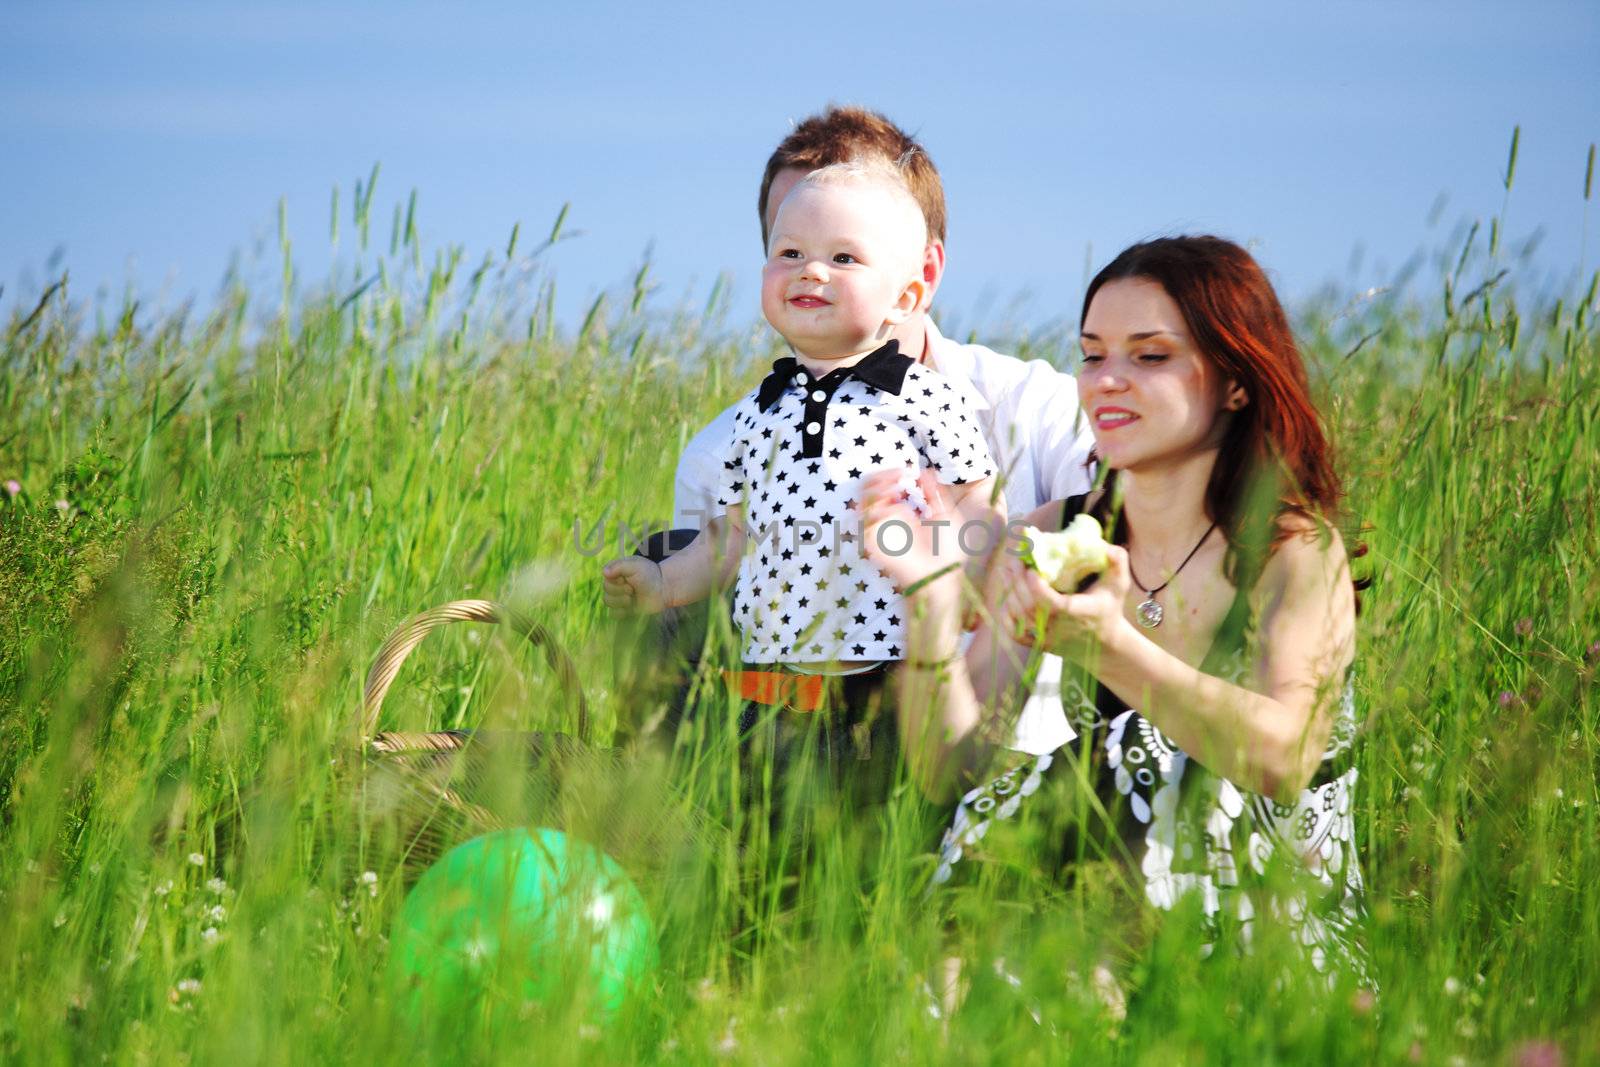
{"points": [[842, 134]]}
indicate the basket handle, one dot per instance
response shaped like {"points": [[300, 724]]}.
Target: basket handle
{"points": [[409, 634]]}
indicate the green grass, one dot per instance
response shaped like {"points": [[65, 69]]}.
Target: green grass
{"points": [[221, 517]]}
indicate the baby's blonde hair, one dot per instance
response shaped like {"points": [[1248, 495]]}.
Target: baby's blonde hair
{"points": [[880, 174], [856, 133]]}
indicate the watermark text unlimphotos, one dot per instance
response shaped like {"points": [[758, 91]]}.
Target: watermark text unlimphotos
{"points": [[895, 537]]}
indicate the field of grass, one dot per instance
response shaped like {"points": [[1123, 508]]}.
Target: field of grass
{"points": [[209, 523]]}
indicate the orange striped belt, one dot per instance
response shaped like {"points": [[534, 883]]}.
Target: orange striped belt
{"points": [[801, 692]]}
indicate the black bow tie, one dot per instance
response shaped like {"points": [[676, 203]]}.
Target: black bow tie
{"points": [[884, 369]]}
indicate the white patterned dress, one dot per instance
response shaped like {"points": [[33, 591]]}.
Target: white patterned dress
{"points": [[1194, 834]]}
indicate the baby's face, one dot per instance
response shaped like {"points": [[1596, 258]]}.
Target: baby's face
{"points": [[843, 268]]}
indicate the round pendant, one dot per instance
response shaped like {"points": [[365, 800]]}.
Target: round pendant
{"points": [[1149, 612]]}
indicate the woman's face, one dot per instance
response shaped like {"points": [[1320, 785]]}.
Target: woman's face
{"points": [[1151, 397]]}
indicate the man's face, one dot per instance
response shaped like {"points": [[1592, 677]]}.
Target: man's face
{"points": [[783, 183], [843, 268]]}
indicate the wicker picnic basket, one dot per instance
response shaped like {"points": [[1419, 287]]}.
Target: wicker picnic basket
{"points": [[409, 634], [419, 793]]}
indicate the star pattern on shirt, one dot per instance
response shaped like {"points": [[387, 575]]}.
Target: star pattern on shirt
{"points": [[809, 593]]}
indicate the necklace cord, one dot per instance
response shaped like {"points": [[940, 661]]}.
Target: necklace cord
{"points": [[1150, 593]]}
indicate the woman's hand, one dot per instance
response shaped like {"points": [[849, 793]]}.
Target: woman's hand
{"points": [[914, 551], [1072, 625], [921, 554]]}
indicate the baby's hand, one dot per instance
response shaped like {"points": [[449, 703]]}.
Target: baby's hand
{"points": [[635, 584]]}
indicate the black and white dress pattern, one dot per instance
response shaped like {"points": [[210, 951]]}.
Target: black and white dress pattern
{"points": [[1196, 835], [800, 448]]}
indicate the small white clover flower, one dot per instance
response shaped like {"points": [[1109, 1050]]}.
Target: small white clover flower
{"points": [[164, 888], [210, 935], [217, 886], [197, 858], [60, 920], [217, 914], [190, 986], [1451, 986], [729, 1044]]}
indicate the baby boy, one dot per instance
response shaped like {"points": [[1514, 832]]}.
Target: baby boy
{"points": [[844, 267]]}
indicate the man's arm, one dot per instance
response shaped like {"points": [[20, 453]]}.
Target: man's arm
{"points": [[1056, 429], [694, 489], [1034, 425]]}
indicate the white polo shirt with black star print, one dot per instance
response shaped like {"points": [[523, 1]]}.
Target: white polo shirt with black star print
{"points": [[800, 448]]}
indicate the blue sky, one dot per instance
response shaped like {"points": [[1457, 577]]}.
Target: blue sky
{"points": [[150, 142]]}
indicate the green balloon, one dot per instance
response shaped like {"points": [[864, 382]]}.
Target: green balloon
{"points": [[521, 916]]}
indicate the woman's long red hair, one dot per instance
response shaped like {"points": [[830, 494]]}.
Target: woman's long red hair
{"points": [[1238, 323]]}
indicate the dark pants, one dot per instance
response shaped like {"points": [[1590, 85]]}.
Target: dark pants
{"points": [[813, 798], [851, 745]]}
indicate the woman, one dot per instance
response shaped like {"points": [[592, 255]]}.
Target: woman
{"points": [[1216, 722]]}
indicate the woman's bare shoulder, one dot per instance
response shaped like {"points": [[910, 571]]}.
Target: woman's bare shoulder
{"points": [[1309, 559], [1302, 533]]}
